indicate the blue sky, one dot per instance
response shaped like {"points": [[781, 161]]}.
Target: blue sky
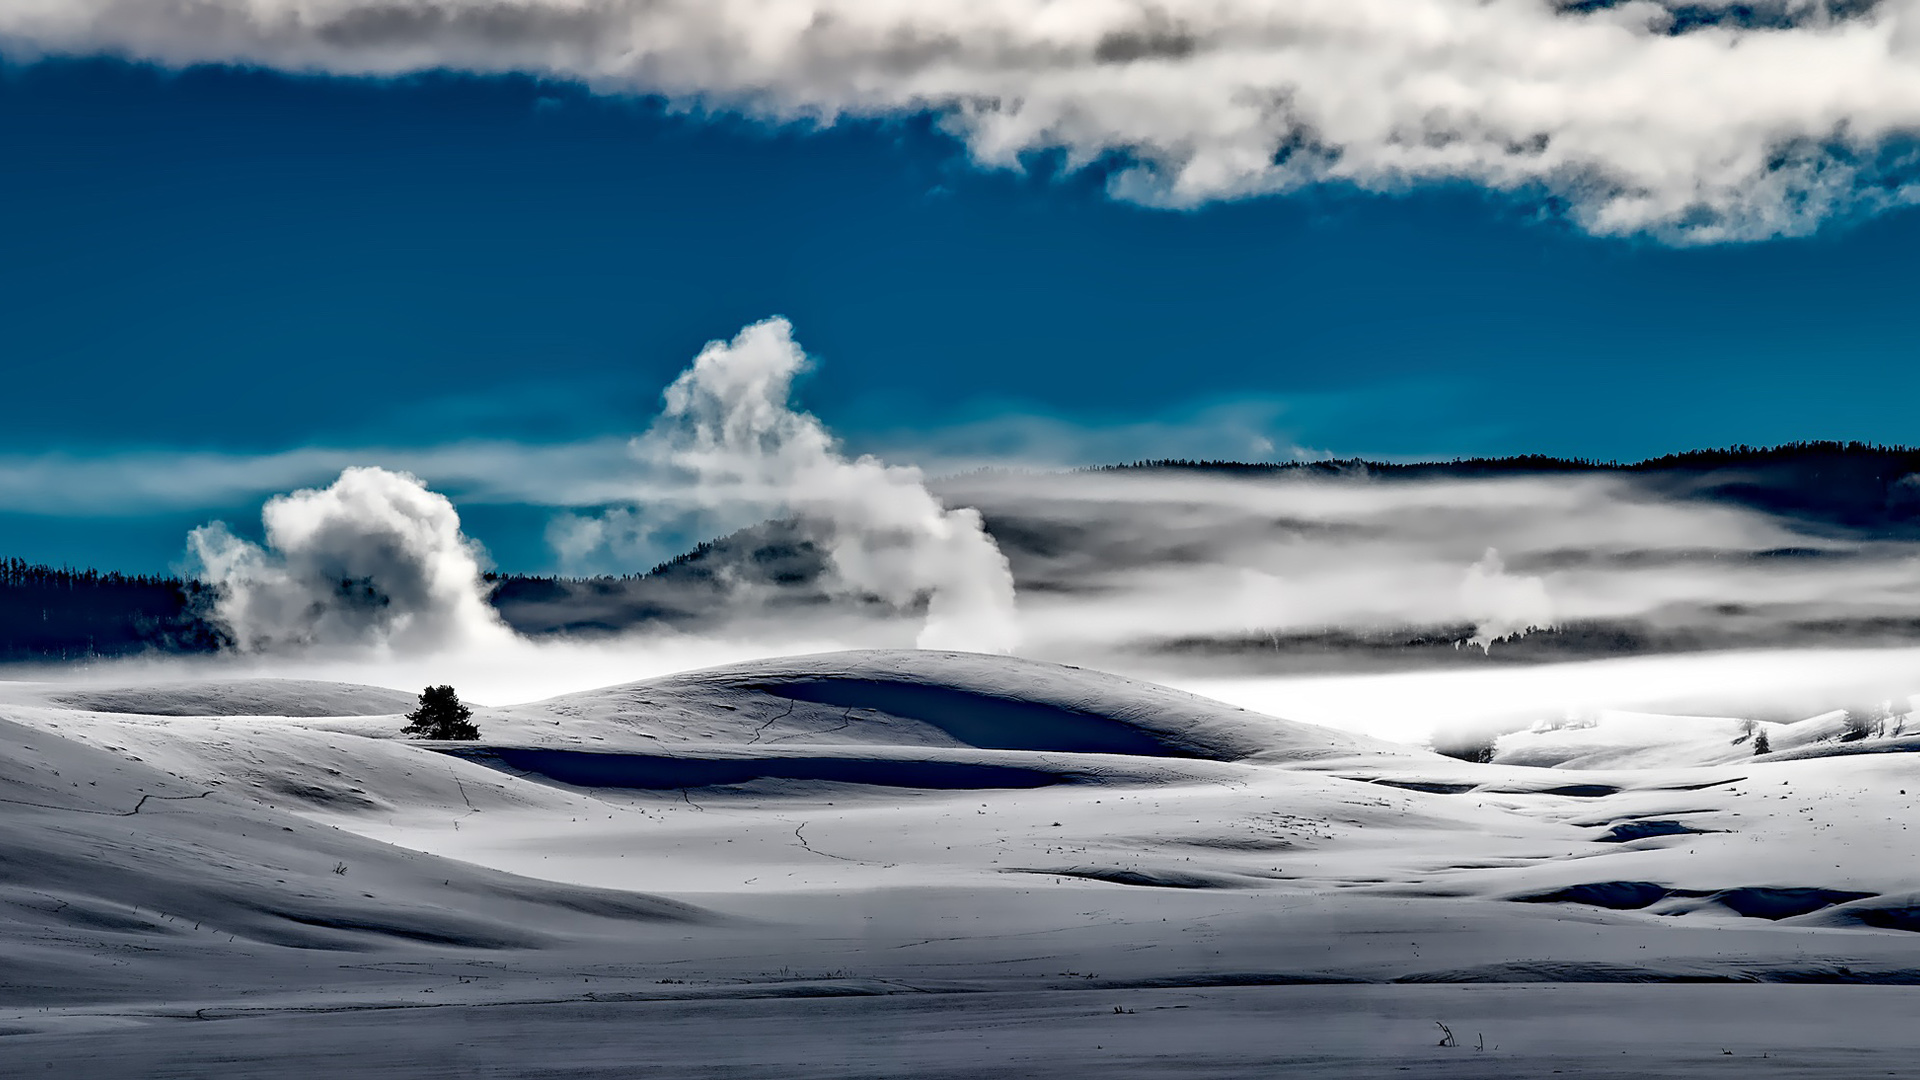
{"points": [[240, 264]]}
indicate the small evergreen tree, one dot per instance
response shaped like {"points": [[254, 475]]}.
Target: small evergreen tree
{"points": [[441, 716], [1761, 745]]}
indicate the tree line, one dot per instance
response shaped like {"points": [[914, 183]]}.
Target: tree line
{"points": [[1905, 459], [60, 613]]}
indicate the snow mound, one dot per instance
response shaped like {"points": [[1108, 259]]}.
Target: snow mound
{"points": [[926, 699]]}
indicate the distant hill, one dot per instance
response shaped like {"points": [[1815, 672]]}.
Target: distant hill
{"points": [[771, 564]]}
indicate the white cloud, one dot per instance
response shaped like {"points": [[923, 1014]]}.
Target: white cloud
{"points": [[135, 482], [1762, 123], [597, 472]]}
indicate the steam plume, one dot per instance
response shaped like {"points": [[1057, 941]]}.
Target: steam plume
{"points": [[373, 559], [737, 448], [1503, 605]]}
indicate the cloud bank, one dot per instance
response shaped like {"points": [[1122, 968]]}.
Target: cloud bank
{"points": [[730, 446], [1191, 569], [595, 471], [127, 483], [1697, 122], [375, 559]]}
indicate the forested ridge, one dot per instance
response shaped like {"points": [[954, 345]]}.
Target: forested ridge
{"points": [[59, 613]]}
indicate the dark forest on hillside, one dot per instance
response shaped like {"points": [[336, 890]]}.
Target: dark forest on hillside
{"points": [[48, 613]]}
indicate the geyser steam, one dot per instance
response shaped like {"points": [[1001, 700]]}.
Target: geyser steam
{"points": [[374, 559], [1503, 605], [733, 446]]}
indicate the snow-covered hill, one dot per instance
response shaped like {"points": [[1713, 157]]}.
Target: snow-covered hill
{"points": [[914, 863], [920, 698]]}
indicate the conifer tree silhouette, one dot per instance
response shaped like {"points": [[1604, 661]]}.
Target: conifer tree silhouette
{"points": [[441, 716]]}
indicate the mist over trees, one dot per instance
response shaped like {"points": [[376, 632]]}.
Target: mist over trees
{"points": [[1854, 485], [1863, 490]]}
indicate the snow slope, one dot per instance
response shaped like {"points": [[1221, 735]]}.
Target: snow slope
{"points": [[919, 698], [912, 863]]}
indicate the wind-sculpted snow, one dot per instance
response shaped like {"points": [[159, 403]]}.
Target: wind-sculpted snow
{"points": [[775, 855]]}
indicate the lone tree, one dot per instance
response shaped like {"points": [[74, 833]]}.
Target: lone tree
{"points": [[441, 716]]}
